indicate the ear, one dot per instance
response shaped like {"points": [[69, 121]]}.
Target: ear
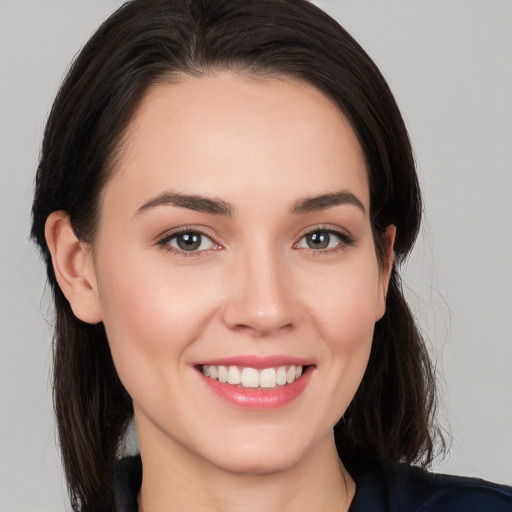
{"points": [[74, 267], [388, 240]]}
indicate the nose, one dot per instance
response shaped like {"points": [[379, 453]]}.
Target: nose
{"points": [[261, 299]]}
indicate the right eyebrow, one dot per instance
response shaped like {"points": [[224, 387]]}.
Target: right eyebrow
{"points": [[192, 202]]}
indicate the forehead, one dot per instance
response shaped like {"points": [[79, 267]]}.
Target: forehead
{"points": [[226, 133]]}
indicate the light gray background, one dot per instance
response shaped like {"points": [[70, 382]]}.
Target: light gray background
{"points": [[449, 63]]}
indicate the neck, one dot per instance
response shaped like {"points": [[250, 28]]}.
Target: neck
{"points": [[173, 480]]}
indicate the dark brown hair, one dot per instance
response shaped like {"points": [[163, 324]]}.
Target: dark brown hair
{"points": [[151, 41]]}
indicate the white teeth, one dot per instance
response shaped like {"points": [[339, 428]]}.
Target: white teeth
{"points": [[250, 378], [268, 378], [234, 375], [222, 373], [281, 376], [253, 378]]}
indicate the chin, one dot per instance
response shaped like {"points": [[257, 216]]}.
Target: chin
{"points": [[265, 455], [249, 463]]}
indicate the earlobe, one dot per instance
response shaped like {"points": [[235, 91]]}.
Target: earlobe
{"points": [[387, 267], [74, 268]]}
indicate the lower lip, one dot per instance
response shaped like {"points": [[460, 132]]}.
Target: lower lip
{"points": [[257, 398]]}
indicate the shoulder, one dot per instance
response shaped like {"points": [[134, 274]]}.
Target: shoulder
{"points": [[401, 487], [430, 492]]}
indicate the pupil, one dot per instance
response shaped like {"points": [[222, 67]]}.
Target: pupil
{"points": [[318, 240], [189, 241]]}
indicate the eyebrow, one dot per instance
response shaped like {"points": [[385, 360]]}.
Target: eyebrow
{"points": [[325, 201], [192, 202], [219, 207]]}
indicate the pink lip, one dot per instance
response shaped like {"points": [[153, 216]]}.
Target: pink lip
{"points": [[257, 398], [257, 362]]}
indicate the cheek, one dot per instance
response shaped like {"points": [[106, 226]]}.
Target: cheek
{"points": [[343, 311], [345, 305], [146, 299], [151, 317], [349, 335]]}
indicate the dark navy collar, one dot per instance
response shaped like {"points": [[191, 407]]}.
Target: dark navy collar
{"points": [[383, 487], [127, 482], [391, 487]]}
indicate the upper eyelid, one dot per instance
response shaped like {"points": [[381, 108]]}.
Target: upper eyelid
{"points": [[170, 233], [324, 227], [204, 231], [345, 240], [163, 242]]}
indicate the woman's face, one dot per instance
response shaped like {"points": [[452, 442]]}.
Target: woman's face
{"points": [[235, 240]]}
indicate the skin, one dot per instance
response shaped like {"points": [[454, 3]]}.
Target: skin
{"points": [[254, 287]]}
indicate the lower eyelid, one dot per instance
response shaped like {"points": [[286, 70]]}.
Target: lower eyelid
{"points": [[164, 242], [344, 238], [344, 241], [176, 235]]}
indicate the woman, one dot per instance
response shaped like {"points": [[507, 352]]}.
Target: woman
{"points": [[225, 191]]}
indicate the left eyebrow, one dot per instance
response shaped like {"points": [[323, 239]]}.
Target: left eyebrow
{"points": [[324, 201]]}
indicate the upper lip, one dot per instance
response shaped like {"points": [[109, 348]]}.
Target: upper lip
{"points": [[257, 362]]}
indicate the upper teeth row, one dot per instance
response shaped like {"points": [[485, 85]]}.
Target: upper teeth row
{"points": [[253, 378]]}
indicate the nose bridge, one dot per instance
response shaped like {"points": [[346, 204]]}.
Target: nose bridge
{"points": [[260, 300]]}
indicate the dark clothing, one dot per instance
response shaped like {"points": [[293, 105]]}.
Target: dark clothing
{"points": [[383, 488], [127, 481], [403, 488]]}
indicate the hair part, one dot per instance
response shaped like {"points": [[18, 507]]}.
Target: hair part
{"points": [[146, 42]]}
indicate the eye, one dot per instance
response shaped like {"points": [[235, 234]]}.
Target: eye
{"points": [[188, 241], [324, 239]]}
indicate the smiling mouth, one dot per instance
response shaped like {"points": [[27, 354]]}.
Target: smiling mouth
{"points": [[246, 377]]}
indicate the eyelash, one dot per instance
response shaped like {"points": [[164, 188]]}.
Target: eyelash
{"points": [[164, 242], [345, 241]]}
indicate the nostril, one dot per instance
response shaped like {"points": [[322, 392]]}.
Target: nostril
{"points": [[261, 328], [260, 301]]}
